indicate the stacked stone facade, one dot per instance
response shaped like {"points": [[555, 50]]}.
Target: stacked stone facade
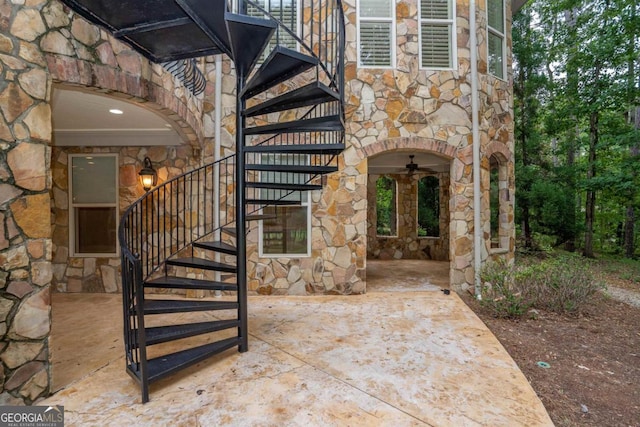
{"points": [[43, 45]]}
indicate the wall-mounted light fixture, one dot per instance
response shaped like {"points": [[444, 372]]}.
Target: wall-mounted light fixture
{"points": [[148, 175]]}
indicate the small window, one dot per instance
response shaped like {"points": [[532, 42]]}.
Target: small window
{"points": [[288, 233], [93, 190], [494, 200], [386, 206], [376, 37], [429, 207], [496, 37], [437, 34]]}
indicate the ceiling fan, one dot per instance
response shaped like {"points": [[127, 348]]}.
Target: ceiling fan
{"points": [[412, 167]]}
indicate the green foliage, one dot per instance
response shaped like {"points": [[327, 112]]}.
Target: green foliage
{"points": [[429, 206], [574, 61], [562, 283], [385, 206], [500, 294]]}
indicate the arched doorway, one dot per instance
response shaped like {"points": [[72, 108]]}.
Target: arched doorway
{"points": [[99, 145], [408, 216]]}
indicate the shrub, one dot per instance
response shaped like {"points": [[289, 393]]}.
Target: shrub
{"points": [[500, 294], [561, 284]]}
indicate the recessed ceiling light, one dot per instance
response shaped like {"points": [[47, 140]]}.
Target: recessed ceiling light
{"points": [[116, 111]]}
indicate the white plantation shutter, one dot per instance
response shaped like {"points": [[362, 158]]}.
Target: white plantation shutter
{"points": [[376, 35], [286, 11], [437, 41], [435, 9], [375, 44]]}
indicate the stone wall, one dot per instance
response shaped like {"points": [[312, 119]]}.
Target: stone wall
{"points": [[406, 244], [42, 43], [405, 108], [102, 274]]}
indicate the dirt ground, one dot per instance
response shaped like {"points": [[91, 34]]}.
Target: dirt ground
{"points": [[593, 372]]}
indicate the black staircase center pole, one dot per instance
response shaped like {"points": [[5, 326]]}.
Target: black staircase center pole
{"points": [[241, 236]]}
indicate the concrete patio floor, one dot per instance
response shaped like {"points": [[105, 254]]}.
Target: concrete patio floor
{"points": [[385, 358]]}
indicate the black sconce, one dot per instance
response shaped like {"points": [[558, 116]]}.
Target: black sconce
{"points": [[148, 175]]}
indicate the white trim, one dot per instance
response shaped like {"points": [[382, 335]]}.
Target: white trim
{"points": [[392, 21], [503, 38], [115, 137], [453, 49], [72, 206], [261, 253]]}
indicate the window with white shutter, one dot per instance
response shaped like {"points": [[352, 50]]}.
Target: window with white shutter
{"points": [[496, 38], [376, 35], [437, 34]]}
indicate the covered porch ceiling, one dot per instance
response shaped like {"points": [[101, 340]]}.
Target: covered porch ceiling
{"points": [[395, 162]]}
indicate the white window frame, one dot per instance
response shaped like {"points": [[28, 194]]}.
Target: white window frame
{"points": [[72, 205], [392, 21], [503, 37], [305, 203], [453, 49]]}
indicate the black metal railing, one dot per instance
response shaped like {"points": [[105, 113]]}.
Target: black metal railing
{"points": [[187, 71], [320, 36], [170, 217]]}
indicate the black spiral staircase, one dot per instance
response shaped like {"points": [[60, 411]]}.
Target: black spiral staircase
{"points": [[188, 235]]}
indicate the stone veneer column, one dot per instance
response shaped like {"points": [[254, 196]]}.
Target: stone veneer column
{"points": [[25, 230]]}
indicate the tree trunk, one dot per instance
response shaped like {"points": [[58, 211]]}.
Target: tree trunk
{"points": [[629, 223], [590, 204]]}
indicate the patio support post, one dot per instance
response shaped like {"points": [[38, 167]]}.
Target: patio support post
{"points": [[477, 225]]}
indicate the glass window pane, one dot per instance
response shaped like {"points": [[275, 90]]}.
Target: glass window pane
{"points": [[287, 233], [375, 43], [93, 179], [376, 8], [495, 14], [95, 230], [436, 46], [496, 55], [435, 9]]}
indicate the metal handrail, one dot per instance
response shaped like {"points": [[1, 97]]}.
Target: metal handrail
{"points": [[332, 55], [170, 217]]}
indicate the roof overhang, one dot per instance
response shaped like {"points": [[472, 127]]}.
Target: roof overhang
{"points": [[516, 5]]}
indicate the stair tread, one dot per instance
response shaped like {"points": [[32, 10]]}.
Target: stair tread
{"points": [[212, 24], [284, 186], [312, 94], [274, 202], [217, 247], [187, 283], [159, 306], [161, 334], [205, 264], [314, 170], [163, 366], [281, 64], [296, 148], [231, 231], [248, 36], [317, 124], [260, 217]]}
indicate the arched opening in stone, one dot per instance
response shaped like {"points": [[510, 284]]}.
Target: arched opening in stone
{"points": [[99, 143], [419, 248]]}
